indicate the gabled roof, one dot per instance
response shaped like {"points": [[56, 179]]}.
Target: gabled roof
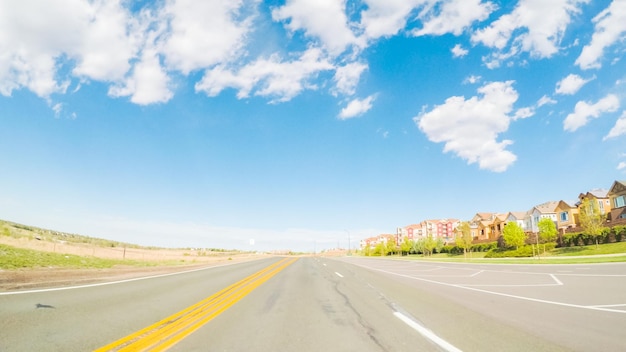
{"points": [[547, 207], [569, 203], [596, 193], [618, 186], [484, 216], [518, 215]]}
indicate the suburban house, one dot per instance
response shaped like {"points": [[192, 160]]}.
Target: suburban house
{"points": [[516, 216], [567, 216], [617, 196], [497, 225], [544, 210], [600, 196], [481, 223]]}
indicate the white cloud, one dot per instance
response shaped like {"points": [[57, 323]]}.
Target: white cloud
{"points": [[473, 79], [323, 19], [453, 16], [32, 40], [621, 165], [57, 108], [347, 77], [545, 100], [610, 27], [384, 18], [107, 46], [583, 111], [270, 77], [148, 83], [536, 27], [459, 51], [470, 127], [570, 84], [203, 33], [523, 113], [619, 128], [356, 107]]}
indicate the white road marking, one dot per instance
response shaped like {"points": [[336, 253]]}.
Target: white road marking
{"points": [[557, 280], [426, 333], [106, 283], [336, 273], [474, 274], [608, 305], [465, 287]]}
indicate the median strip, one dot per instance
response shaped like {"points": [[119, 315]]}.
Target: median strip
{"points": [[169, 331]]}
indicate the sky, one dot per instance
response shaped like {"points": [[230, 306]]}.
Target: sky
{"points": [[299, 124]]}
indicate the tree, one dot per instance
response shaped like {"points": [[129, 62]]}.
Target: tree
{"points": [[406, 245], [513, 235], [547, 232], [464, 238], [429, 244], [591, 219]]}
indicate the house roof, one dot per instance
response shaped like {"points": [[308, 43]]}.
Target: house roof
{"points": [[518, 215], [617, 187], [596, 193], [484, 216], [502, 216], [570, 203], [547, 207]]}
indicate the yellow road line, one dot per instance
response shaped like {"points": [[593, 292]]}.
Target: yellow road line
{"points": [[167, 332]]}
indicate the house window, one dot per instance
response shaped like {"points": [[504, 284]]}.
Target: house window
{"points": [[620, 201], [601, 206], [564, 216]]}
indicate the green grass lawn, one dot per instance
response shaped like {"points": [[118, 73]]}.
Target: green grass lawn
{"points": [[18, 258], [566, 255], [609, 248]]}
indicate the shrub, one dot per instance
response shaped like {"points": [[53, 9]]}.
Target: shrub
{"points": [[523, 251]]}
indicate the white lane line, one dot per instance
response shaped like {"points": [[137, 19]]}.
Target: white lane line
{"points": [[426, 333], [503, 294], [106, 283], [336, 273], [474, 274], [608, 305], [556, 280]]}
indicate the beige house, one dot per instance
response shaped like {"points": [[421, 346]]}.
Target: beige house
{"points": [[566, 216], [482, 222], [497, 225], [600, 197]]}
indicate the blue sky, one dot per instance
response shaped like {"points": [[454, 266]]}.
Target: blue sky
{"points": [[298, 124]]}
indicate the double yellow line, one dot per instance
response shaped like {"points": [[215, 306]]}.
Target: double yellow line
{"points": [[169, 331]]}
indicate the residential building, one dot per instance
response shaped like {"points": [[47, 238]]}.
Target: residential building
{"points": [[497, 225], [600, 196], [516, 216], [538, 212], [567, 216], [617, 197], [481, 223]]}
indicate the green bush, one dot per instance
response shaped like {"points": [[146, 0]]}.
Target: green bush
{"points": [[524, 251]]}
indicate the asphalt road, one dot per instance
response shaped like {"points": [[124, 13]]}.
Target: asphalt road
{"points": [[322, 304]]}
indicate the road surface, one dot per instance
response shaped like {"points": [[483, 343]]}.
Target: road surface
{"points": [[324, 304]]}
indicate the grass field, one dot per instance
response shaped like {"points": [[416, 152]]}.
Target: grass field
{"points": [[19, 258]]}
